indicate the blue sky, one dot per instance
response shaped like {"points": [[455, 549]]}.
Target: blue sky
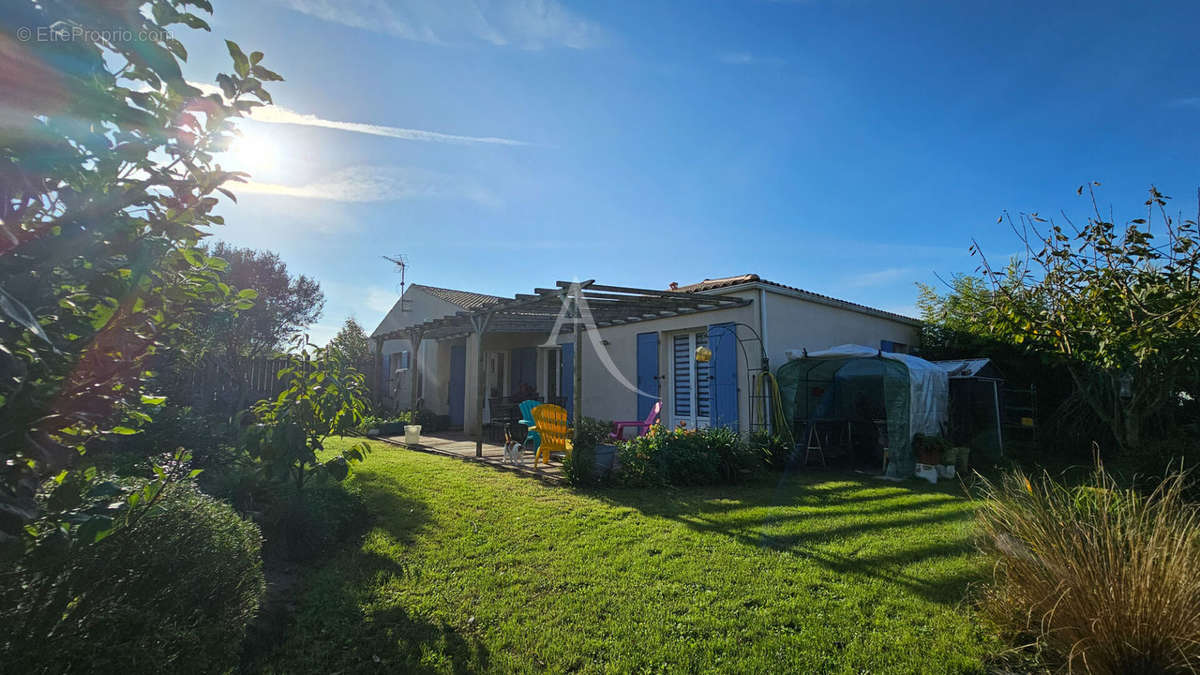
{"points": [[849, 147]]}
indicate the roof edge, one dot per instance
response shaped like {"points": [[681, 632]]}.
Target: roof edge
{"points": [[782, 289]]}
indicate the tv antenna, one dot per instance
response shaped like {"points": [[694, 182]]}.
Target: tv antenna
{"points": [[401, 262]]}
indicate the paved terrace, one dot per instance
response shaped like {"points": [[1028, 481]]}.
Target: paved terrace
{"points": [[463, 446]]}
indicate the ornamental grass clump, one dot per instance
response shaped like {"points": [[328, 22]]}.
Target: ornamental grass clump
{"points": [[1098, 578]]}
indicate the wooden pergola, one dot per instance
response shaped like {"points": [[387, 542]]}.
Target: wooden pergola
{"points": [[571, 306]]}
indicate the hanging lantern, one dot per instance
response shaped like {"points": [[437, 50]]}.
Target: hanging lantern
{"points": [[703, 354]]}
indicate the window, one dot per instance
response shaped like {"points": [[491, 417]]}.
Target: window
{"points": [[400, 360], [896, 347], [691, 382]]}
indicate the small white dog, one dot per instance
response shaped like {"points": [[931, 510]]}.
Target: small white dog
{"points": [[513, 451]]}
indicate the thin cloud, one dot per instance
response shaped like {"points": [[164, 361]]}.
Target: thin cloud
{"points": [[747, 59], [276, 114], [374, 184], [1187, 102], [526, 24], [273, 114]]}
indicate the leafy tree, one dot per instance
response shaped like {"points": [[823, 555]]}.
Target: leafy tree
{"points": [[284, 307], [352, 342], [107, 187], [325, 397], [1118, 305], [222, 341]]}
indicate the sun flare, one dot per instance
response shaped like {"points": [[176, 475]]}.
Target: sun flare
{"points": [[255, 154]]}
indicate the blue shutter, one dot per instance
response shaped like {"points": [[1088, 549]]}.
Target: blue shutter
{"points": [[887, 346], [647, 372], [387, 369], [722, 340], [568, 378]]}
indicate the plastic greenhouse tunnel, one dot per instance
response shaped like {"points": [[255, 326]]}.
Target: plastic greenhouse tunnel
{"points": [[864, 401]]}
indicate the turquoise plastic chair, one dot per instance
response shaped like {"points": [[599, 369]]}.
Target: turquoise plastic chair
{"points": [[533, 440]]}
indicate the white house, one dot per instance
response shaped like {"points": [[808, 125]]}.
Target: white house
{"points": [[660, 351], [418, 304], [648, 340]]}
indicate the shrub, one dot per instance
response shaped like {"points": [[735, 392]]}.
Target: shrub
{"points": [[1147, 465], [172, 592], [686, 457], [293, 528], [172, 427], [1101, 578], [430, 421], [393, 425], [385, 426], [303, 529], [324, 397], [579, 468], [774, 450]]}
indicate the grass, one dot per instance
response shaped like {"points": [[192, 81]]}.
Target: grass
{"points": [[469, 569]]}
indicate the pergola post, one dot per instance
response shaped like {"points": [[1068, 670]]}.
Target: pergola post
{"points": [[480, 323], [378, 370], [414, 338]]}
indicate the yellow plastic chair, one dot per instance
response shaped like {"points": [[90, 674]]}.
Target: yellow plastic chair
{"points": [[551, 424]]}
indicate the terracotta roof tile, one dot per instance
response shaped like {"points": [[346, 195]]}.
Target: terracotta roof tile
{"points": [[464, 299]]}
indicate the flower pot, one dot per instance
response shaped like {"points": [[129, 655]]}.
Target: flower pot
{"points": [[926, 471], [412, 434], [605, 458]]}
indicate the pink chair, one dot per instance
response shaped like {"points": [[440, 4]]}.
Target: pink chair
{"points": [[642, 426]]}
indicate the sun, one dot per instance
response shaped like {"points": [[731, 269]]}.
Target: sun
{"points": [[256, 154]]}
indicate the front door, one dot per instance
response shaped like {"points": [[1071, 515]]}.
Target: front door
{"points": [[691, 384], [458, 383]]}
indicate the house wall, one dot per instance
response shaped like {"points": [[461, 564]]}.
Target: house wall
{"points": [[792, 322], [435, 369], [606, 397], [796, 323], [422, 307]]}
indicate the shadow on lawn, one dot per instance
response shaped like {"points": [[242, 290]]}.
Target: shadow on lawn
{"points": [[804, 515], [346, 624]]}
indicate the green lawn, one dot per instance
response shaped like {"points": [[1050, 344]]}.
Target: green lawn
{"points": [[469, 569]]}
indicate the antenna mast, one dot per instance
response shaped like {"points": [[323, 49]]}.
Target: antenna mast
{"points": [[401, 262]]}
